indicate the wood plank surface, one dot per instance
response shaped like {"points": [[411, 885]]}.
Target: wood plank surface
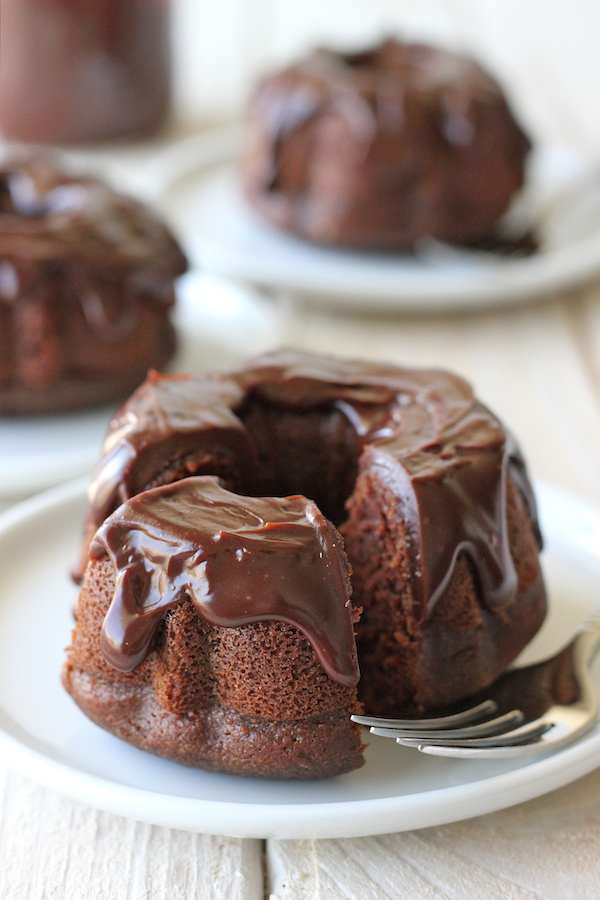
{"points": [[52, 847], [546, 849]]}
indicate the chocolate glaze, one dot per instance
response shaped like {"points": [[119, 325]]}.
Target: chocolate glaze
{"points": [[84, 274], [167, 416], [369, 90], [47, 214], [239, 559], [445, 455], [383, 148]]}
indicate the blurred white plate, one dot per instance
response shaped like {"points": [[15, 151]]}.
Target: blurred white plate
{"points": [[196, 183], [218, 323], [45, 736]]}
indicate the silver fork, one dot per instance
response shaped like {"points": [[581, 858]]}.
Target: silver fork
{"points": [[528, 710]]}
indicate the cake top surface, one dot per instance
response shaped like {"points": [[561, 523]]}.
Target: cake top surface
{"points": [[240, 560], [444, 455], [396, 65], [47, 213], [395, 87], [166, 404], [406, 410]]}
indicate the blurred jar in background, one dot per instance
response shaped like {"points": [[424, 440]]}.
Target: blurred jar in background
{"points": [[75, 71]]}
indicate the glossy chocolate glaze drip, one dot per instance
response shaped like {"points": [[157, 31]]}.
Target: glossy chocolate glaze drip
{"points": [[240, 560], [458, 506], [445, 455], [77, 234], [415, 126], [161, 420], [370, 90], [46, 213]]}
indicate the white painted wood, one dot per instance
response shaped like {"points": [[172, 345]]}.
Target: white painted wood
{"points": [[51, 847], [547, 849], [343, 869]]}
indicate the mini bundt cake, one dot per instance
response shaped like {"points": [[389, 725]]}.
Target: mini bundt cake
{"points": [[253, 667], [188, 578], [86, 290], [378, 150]]}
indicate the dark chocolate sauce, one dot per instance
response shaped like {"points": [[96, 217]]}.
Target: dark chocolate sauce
{"points": [[369, 91], [63, 237], [168, 414], [239, 559], [46, 213], [415, 126], [445, 456]]}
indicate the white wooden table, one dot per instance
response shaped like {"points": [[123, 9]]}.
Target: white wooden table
{"points": [[538, 366]]}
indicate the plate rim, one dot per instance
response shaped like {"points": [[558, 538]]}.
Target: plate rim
{"points": [[195, 156], [331, 819]]}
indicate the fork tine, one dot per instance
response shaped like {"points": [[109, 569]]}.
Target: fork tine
{"points": [[527, 734], [466, 717], [500, 725], [512, 751]]}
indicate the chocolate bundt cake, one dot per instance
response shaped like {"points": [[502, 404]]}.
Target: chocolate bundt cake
{"points": [[242, 659], [86, 289], [214, 625], [378, 150]]}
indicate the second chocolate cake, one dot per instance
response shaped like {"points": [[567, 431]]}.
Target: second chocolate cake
{"points": [[86, 290], [381, 149]]}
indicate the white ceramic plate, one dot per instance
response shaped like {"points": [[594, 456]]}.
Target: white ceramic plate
{"points": [[196, 182], [45, 736], [218, 323]]}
